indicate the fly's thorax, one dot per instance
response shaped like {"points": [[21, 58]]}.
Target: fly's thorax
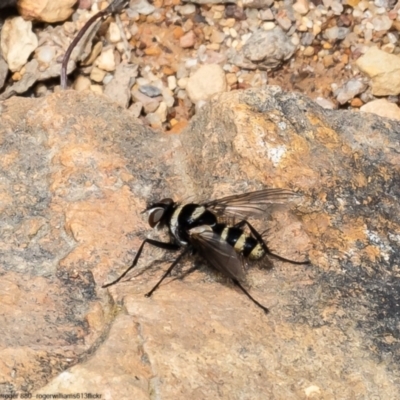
{"points": [[198, 230], [174, 225], [189, 216]]}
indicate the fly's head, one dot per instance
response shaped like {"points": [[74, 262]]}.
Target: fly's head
{"points": [[159, 212]]}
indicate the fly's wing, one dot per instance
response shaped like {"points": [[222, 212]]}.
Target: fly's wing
{"points": [[220, 254], [253, 204]]}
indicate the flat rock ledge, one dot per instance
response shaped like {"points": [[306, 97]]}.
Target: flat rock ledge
{"points": [[77, 170]]}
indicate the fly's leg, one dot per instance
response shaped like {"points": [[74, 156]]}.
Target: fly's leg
{"points": [[161, 245], [265, 309], [173, 265]]}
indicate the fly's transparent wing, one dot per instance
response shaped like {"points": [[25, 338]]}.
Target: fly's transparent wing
{"points": [[220, 254], [253, 204]]}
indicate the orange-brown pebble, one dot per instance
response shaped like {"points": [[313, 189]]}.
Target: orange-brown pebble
{"points": [[345, 59], [178, 32], [356, 102], [16, 76], [152, 51], [178, 126], [168, 70], [353, 3], [328, 61]]}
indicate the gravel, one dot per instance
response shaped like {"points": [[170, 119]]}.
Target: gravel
{"points": [[178, 55]]}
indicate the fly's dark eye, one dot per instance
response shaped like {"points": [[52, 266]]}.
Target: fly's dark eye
{"points": [[155, 216]]}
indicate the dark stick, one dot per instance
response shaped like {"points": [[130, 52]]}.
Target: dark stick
{"points": [[114, 6]]}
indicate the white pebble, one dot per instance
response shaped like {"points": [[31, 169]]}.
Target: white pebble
{"points": [[268, 26], [107, 79], [168, 97], [382, 23], [392, 38], [171, 82], [113, 34], [190, 63], [324, 103], [187, 9], [337, 8], [233, 32], [301, 6], [17, 42], [162, 111], [208, 80], [106, 60], [45, 54], [183, 82], [142, 7]]}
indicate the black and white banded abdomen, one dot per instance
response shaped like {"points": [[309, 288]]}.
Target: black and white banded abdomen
{"points": [[243, 243]]}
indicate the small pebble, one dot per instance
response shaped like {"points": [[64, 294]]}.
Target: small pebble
{"points": [[106, 60], [266, 15], [383, 108], [309, 51], [149, 90], [142, 7], [187, 40], [162, 111], [349, 90], [97, 74], [17, 42], [81, 83], [96, 89], [154, 120], [168, 97], [301, 6], [205, 82], [113, 34], [186, 9], [182, 83], [136, 109], [149, 104], [171, 82], [324, 103], [356, 102]]}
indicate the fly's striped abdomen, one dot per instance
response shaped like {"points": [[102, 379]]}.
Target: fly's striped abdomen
{"points": [[243, 244]]}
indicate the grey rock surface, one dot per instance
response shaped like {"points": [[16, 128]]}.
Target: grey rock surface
{"points": [[77, 170], [268, 49]]}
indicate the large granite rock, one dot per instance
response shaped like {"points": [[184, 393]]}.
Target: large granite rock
{"points": [[76, 171]]}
